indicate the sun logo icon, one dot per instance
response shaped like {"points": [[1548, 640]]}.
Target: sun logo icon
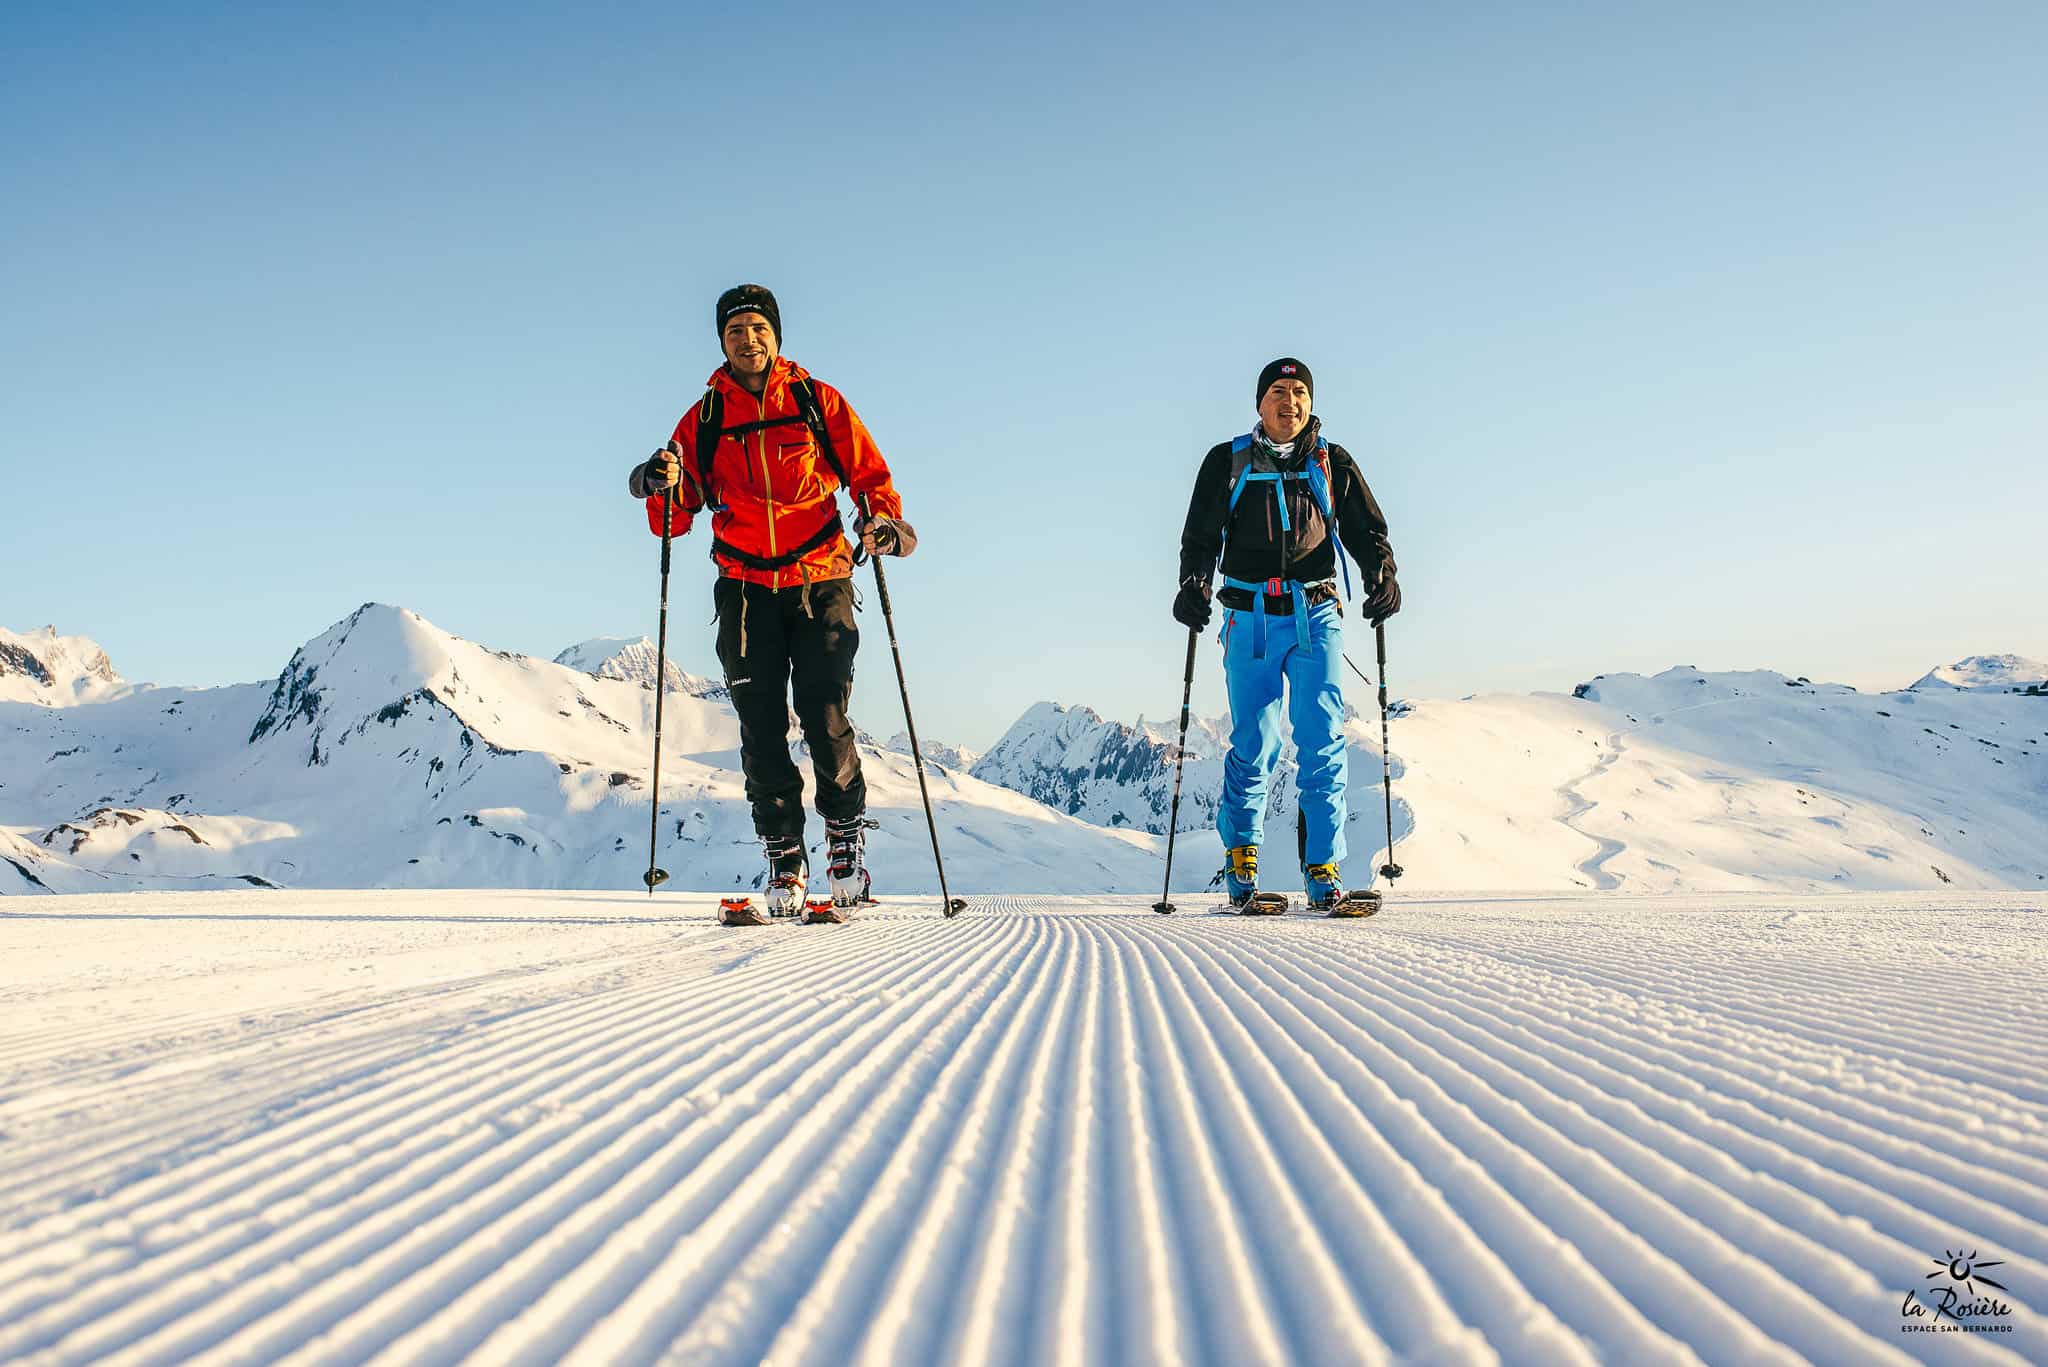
{"points": [[1965, 1269]]}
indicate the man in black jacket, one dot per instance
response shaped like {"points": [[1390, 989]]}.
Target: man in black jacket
{"points": [[1273, 506]]}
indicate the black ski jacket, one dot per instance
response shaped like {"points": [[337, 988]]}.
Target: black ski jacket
{"points": [[1257, 549]]}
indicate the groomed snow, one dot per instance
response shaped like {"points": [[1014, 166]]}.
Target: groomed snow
{"points": [[523, 1126]]}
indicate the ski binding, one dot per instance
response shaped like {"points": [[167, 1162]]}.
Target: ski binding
{"points": [[1355, 905], [823, 911], [739, 911]]}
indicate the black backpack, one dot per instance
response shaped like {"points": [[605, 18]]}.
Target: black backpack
{"points": [[711, 430]]}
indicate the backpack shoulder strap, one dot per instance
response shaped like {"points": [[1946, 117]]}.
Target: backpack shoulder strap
{"points": [[805, 392], [1240, 461], [1319, 484], [1319, 479], [710, 420]]}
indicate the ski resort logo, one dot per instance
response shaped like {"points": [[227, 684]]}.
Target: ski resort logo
{"points": [[1959, 1298]]}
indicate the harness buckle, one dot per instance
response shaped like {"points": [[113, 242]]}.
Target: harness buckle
{"points": [[1276, 588]]}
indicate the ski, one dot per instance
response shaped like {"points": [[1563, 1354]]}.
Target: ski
{"points": [[1265, 904], [739, 911], [1354, 905]]}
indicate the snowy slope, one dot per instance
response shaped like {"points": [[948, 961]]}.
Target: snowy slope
{"points": [[1996, 673], [524, 1127], [1683, 781], [389, 753], [55, 671]]}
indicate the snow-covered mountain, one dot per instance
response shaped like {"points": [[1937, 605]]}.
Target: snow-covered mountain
{"points": [[1681, 781], [1117, 774], [389, 753], [632, 658], [1987, 673], [936, 752], [55, 671]]}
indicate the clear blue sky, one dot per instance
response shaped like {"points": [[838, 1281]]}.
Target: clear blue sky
{"points": [[1712, 335]]}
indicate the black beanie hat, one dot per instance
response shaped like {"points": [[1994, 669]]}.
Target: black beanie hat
{"points": [[1286, 368], [748, 299]]}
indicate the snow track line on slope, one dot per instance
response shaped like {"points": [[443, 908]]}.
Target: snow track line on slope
{"points": [[1736, 977], [1798, 1143], [269, 1082], [910, 1218], [686, 1231], [1663, 1288], [571, 1065], [1577, 805], [837, 1285], [1469, 1207], [1771, 1063], [1061, 1131], [1655, 1141], [527, 1247], [1408, 1310], [1828, 1033], [1647, 1192], [401, 1085], [858, 1204], [678, 1148], [1485, 1295], [1233, 1138]]}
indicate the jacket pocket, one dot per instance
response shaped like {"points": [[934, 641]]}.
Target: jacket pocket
{"points": [[801, 475]]}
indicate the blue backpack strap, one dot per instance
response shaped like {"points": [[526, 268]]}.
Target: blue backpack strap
{"points": [[1257, 589], [1240, 461], [1319, 477], [1319, 485]]}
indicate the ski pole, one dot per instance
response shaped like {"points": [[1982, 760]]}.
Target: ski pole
{"points": [[655, 874], [1390, 869], [953, 906], [1180, 755]]}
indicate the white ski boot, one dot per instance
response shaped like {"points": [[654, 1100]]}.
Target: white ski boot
{"points": [[789, 873], [846, 862]]}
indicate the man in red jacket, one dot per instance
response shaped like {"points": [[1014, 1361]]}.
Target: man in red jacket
{"points": [[767, 451]]}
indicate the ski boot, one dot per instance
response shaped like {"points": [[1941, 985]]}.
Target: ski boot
{"points": [[1241, 884], [1327, 897], [846, 864], [788, 873]]}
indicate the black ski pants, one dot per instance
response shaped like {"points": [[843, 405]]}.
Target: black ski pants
{"points": [[778, 652]]}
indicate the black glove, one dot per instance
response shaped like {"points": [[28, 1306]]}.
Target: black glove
{"points": [[885, 535], [662, 470], [1383, 601], [1191, 604]]}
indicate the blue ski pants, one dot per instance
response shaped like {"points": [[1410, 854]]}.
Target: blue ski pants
{"points": [[1310, 677]]}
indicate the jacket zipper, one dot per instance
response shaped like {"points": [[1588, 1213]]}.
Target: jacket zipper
{"points": [[767, 482]]}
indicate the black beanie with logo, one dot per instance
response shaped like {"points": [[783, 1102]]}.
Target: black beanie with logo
{"points": [[1286, 368], [748, 299]]}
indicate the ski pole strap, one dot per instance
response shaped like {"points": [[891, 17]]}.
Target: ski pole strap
{"points": [[1259, 589]]}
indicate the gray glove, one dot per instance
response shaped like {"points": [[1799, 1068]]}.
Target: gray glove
{"points": [[663, 470], [885, 535]]}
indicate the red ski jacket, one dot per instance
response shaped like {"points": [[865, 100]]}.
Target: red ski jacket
{"points": [[772, 492]]}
